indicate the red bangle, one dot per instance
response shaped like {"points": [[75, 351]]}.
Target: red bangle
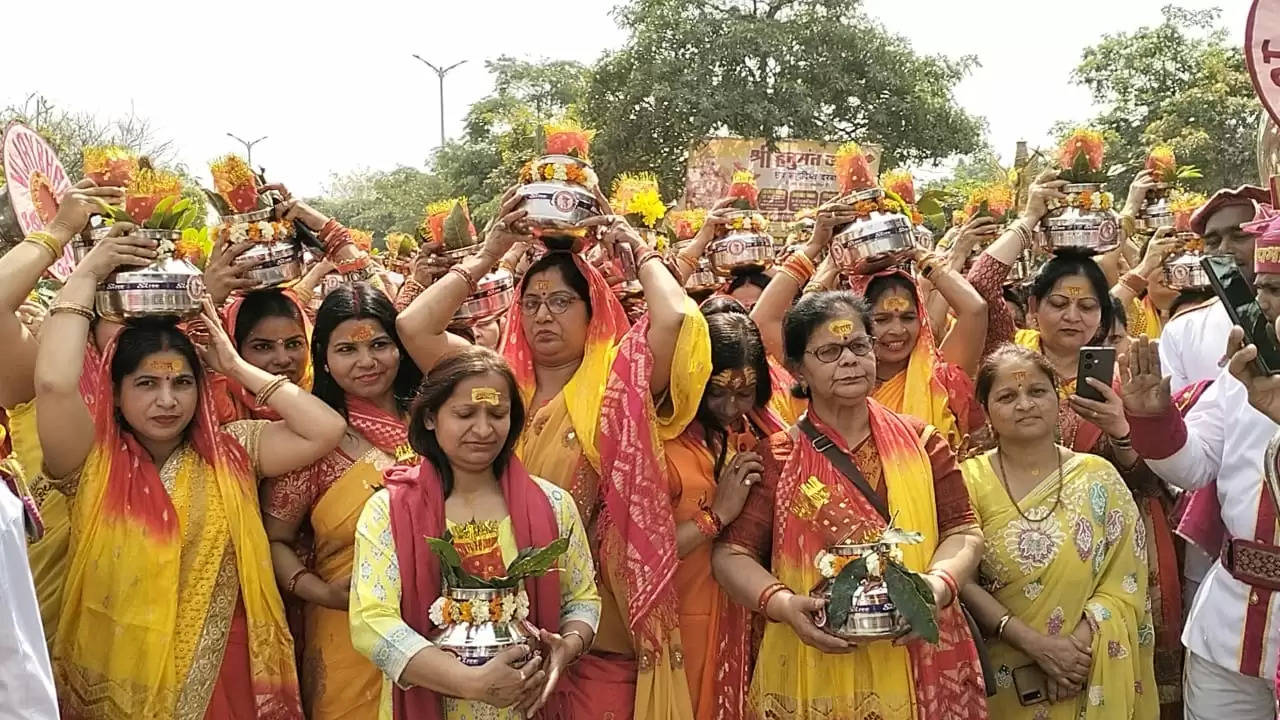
{"points": [[950, 581], [471, 282], [708, 523], [766, 595], [293, 581]]}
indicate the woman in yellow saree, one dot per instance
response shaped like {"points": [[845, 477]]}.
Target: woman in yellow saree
{"points": [[168, 610], [591, 382], [20, 270], [803, 673], [1063, 586], [363, 374]]}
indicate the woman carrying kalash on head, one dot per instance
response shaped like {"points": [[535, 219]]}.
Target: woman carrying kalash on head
{"points": [[602, 395], [169, 608]]}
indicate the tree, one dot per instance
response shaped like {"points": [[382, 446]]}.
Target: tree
{"points": [[1180, 82], [814, 69], [381, 201]]}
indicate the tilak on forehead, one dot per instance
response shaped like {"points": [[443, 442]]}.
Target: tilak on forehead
{"points": [[841, 328], [895, 303], [1019, 376], [171, 367], [363, 332], [542, 285], [486, 395], [1074, 290], [735, 379]]}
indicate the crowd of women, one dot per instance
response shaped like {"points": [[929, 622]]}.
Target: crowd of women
{"points": [[227, 516]]}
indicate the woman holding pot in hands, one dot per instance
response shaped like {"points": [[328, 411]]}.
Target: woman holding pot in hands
{"points": [[164, 504], [590, 381], [910, 475], [1063, 585], [464, 425]]}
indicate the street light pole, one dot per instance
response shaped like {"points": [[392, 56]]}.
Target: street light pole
{"points": [[440, 72], [248, 147]]}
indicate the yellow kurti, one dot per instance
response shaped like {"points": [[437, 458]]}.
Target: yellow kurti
{"points": [[1087, 559], [379, 632]]}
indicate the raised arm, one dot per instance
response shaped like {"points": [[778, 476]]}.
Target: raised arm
{"points": [[962, 242], [423, 326], [963, 344], [308, 428], [686, 261], [21, 268], [62, 419], [777, 298], [1133, 284]]}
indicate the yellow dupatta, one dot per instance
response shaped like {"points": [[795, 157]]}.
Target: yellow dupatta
{"points": [[815, 508], [1087, 559], [1143, 318], [157, 558]]}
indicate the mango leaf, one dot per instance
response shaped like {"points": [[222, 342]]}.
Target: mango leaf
{"points": [[916, 606], [842, 589], [444, 549], [188, 218], [984, 210], [219, 203], [1117, 169], [930, 203], [117, 213], [538, 562], [1188, 172], [162, 207]]}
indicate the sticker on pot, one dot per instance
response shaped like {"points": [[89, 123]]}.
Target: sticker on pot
{"points": [[1108, 230], [564, 201], [195, 287]]}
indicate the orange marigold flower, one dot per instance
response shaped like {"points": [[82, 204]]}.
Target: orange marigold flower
{"points": [[110, 166], [686, 223], [362, 238], [997, 196], [1082, 141]]}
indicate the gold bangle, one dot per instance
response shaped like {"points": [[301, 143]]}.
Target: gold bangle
{"points": [[691, 262], [586, 647], [505, 264], [813, 287], [66, 306], [46, 241], [268, 390]]}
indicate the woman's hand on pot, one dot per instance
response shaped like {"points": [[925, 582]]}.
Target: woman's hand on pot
{"points": [[797, 611]]}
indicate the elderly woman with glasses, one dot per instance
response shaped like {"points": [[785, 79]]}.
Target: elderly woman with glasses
{"points": [[602, 394], [766, 558]]}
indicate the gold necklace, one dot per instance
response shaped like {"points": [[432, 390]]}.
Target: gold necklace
{"points": [[1004, 480]]}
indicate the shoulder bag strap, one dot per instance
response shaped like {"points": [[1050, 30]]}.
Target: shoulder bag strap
{"points": [[844, 464]]}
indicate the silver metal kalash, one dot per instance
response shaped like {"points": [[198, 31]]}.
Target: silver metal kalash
{"points": [[1155, 212], [1182, 270], [873, 615], [168, 287], [557, 208], [875, 242], [1091, 228], [476, 643], [742, 250], [702, 280], [278, 262], [494, 294]]}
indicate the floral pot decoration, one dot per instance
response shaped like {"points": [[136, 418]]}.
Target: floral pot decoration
{"points": [[1085, 220], [883, 234], [1182, 269], [172, 285], [476, 618], [1156, 212], [901, 183], [248, 215], [559, 188], [870, 594], [636, 197], [109, 165], [401, 250], [743, 245], [684, 225]]}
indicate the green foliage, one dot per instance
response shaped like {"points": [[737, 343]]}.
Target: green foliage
{"points": [[528, 563], [913, 598], [813, 69], [1181, 82], [171, 213], [842, 589], [385, 200]]}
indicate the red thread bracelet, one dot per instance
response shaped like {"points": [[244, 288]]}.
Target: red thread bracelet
{"points": [[950, 581]]}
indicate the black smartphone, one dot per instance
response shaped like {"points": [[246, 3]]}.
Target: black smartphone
{"points": [[1242, 307], [1031, 684], [1098, 363]]}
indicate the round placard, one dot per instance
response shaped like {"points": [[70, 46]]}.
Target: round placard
{"points": [[34, 177]]}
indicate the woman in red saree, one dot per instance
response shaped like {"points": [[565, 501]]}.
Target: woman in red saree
{"points": [[802, 673], [713, 464], [603, 396], [168, 609], [362, 374]]}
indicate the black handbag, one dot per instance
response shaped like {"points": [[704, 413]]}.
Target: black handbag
{"points": [[846, 466]]}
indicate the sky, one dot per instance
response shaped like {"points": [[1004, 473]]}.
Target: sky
{"points": [[334, 87]]}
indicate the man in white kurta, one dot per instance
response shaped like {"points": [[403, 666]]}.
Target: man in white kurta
{"points": [[26, 679]]}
